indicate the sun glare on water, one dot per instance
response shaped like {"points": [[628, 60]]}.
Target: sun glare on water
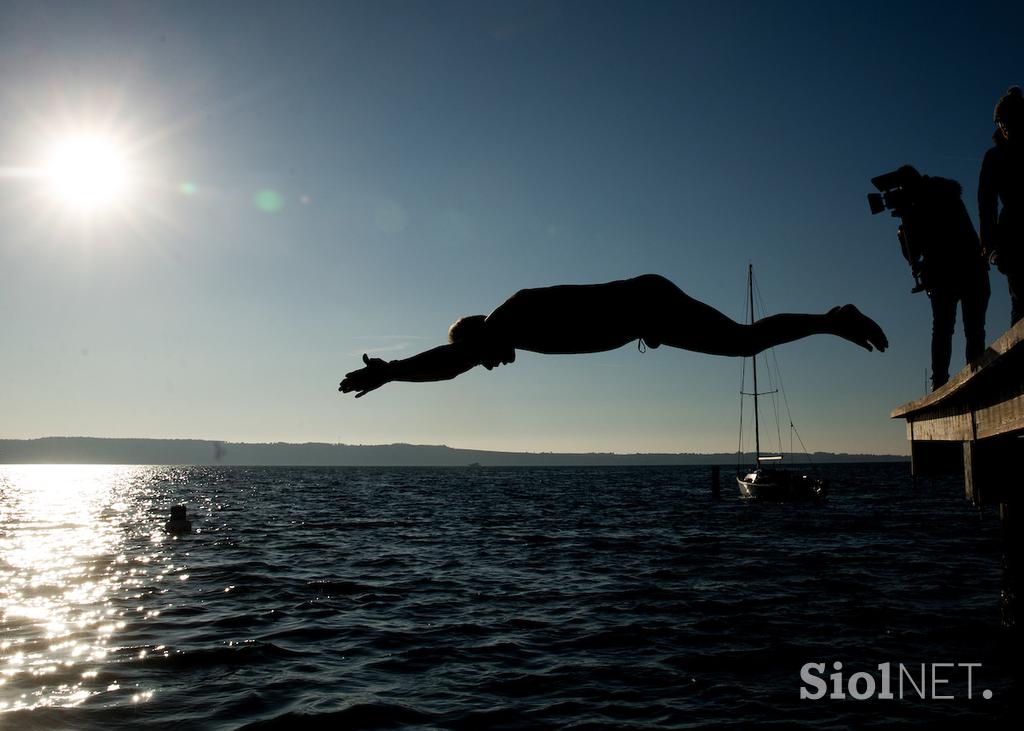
{"points": [[88, 172]]}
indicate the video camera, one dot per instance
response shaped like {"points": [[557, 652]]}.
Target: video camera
{"points": [[900, 191]]}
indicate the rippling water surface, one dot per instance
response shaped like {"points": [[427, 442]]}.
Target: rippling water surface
{"points": [[484, 598]]}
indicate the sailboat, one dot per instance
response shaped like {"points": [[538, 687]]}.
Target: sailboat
{"points": [[769, 482]]}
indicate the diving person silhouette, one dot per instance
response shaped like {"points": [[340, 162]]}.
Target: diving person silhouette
{"points": [[591, 318]]}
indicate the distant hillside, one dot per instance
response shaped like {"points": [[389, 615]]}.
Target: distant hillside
{"points": [[89, 450]]}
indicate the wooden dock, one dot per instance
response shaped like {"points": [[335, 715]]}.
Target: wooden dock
{"points": [[975, 424]]}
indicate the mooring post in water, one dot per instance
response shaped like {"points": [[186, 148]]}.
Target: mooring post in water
{"points": [[1013, 555], [716, 486]]}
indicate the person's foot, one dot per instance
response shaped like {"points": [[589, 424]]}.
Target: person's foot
{"points": [[858, 328]]}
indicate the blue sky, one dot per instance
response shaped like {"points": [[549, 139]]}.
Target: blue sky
{"points": [[426, 160]]}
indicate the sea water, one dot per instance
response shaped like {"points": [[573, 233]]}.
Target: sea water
{"points": [[490, 598]]}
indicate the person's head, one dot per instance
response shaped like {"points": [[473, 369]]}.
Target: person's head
{"points": [[466, 329], [471, 331], [1009, 114]]}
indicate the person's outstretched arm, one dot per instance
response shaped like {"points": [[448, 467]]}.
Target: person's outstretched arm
{"points": [[437, 364]]}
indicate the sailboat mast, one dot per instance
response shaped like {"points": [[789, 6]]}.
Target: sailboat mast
{"points": [[753, 360]]}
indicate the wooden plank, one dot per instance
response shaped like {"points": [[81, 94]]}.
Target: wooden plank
{"points": [[984, 424], [973, 485], [1003, 417], [951, 428]]}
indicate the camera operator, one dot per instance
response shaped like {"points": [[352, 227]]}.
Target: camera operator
{"points": [[1002, 179], [945, 256]]}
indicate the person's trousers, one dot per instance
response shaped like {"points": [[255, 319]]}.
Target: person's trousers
{"points": [[973, 304]]}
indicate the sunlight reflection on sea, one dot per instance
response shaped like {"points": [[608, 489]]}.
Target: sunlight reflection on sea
{"points": [[67, 550]]}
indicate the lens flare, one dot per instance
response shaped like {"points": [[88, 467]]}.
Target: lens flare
{"points": [[268, 201]]}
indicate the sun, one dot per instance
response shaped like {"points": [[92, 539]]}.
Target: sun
{"points": [[88, 171]]}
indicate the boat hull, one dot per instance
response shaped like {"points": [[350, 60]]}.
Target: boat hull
{"points": [[780, 485]]}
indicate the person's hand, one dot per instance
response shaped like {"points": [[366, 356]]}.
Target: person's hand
{"points": [[373, 375], [988, 249]]}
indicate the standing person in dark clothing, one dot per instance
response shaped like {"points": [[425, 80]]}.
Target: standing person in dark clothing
{"points": [[941, 246], [1002, 181], [953, 270]]}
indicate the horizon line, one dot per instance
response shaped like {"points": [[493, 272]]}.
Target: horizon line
{"points": [[225, 442]]}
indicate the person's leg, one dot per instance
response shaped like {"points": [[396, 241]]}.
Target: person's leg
{"points": [[974, 305], [674, 318], [943, 322]]}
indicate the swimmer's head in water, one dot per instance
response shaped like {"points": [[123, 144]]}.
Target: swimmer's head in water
{"points": [[472, 331]]}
